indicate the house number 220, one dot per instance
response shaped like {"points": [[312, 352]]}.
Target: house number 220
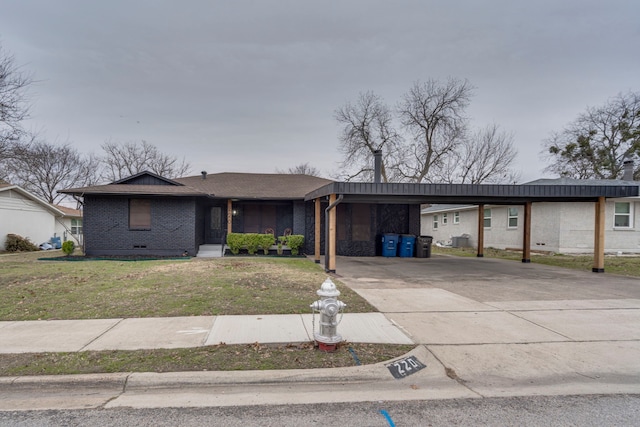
{"points": [[404, 367]]}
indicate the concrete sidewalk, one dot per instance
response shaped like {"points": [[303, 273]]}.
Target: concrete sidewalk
{"points": [[481, 327], [184, 332]]}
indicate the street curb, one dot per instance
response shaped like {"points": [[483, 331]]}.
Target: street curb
{"points": [[130, 381], [47, 382]]}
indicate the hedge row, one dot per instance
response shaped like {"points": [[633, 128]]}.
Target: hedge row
{"points": [[254, 241]]}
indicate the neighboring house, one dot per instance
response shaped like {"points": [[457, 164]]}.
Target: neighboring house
{"points": [[559, 227], [69, 227], [27, 215], [152, 215]]}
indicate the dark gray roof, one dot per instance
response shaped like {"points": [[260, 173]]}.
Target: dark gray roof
{"points": [[135, 190], [244, 186], [241, 186], [573, 181], [470, 193], [445, 207]]}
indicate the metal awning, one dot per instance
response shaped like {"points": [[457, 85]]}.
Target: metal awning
{"points": [[410, 193]]}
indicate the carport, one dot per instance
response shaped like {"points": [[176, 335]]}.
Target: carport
{"points": [[475, 194]]}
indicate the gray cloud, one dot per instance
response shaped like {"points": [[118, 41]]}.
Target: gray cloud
{"points": [[252, 85]]}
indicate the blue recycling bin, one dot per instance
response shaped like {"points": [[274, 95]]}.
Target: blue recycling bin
{"points": [[389, 244], [406, 245], [56, 242]]}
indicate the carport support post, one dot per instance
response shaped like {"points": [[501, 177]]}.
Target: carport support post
{"points": [[598, 243], [480, 231], [330, 239], [316, 255], [526, 239]]}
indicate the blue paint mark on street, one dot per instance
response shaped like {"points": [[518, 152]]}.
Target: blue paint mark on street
{"points": [[388, 417], [353, 354]]}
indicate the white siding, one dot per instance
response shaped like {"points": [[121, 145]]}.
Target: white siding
{"points": [[468, 225], [555, 227], [20, 215], [545, 226]]}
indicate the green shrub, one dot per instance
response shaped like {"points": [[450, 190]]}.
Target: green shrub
{"points": [[295, 242], [266, 240], [252, 242], [235, 241], [68, 247], [16, 243]]}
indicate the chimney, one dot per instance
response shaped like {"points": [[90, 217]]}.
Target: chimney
{"points": [[377, 166], [204, 174], [627, 168]]}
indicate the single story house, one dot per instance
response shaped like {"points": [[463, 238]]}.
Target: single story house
{"points": [[25, 214], [555, 227], [147, 214]]}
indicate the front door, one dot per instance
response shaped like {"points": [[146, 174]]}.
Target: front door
{"points": [[215, 225]]}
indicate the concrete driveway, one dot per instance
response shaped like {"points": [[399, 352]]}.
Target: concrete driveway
{"points": [[502, 326]]}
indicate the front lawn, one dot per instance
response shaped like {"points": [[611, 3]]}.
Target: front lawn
{"points": [[31, 289]]}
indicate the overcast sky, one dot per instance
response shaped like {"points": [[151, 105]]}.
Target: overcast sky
{"points": [[251, 86]]}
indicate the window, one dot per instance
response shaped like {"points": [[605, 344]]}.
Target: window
{"points": [[487, 218], [435, 222], [76, 226], [456, 217], [512, 219], [140, 214], [622, 215], [444, 219]]}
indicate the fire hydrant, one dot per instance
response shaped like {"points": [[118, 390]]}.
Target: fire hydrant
{"points": [[328, 306]]}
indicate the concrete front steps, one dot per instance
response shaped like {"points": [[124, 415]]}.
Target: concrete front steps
{"points": [[210, 251]]}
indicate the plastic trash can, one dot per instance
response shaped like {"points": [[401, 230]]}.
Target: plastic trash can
{"points": [[389, 244], [423, 246], [56, 242], [406, 245]]}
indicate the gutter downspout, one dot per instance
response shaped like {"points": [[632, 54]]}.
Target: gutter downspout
{"points": [[326, 231]]}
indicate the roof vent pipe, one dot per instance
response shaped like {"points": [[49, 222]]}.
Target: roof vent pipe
{"points": [[204, 174], [627, 168], [377, 166]]}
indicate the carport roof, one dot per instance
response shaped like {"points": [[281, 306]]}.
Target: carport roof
{"points": [[411, 193]]}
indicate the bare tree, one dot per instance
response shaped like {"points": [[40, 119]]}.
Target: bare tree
{"points": [[433, 113], [43, 168], [367, 126], [487, 157], [301, 169], [484, 157], [598, 141], [129, 158], [13, 105]]}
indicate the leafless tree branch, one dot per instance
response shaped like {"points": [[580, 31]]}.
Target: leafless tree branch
{"points": [[121, 160]]}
